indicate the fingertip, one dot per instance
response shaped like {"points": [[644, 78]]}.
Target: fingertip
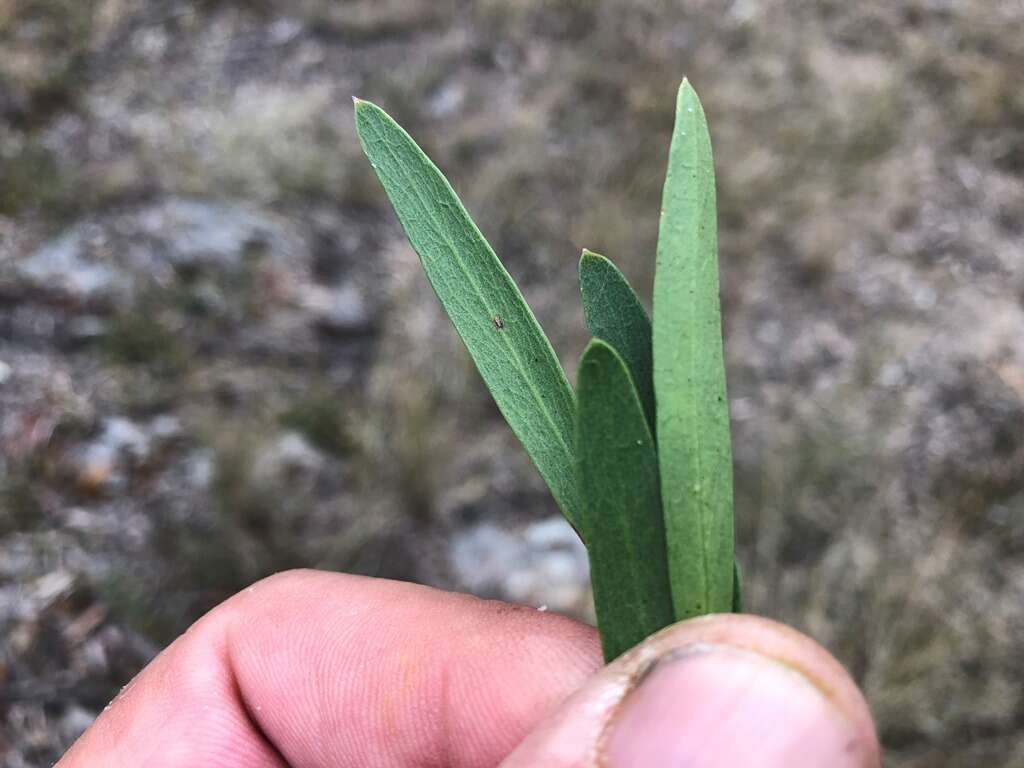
{"points": [[781, 645], [716, 691]]}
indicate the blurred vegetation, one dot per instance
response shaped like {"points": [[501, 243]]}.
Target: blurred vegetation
{"points": [[871, 198], [141, 338], [31, 181], [319, 416]]}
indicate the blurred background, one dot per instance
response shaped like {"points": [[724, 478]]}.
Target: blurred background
{"points": [[219, 358]]}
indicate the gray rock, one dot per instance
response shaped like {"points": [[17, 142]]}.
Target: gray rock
{"points": [[165, 428], [121, 435], [448, 99], [25, 601], [74, 721], [197, 234], [104, 463], [85, 329], [201, 468], [544, 564], [338, 311], [72, 266], [289, 459], [106, 260]]}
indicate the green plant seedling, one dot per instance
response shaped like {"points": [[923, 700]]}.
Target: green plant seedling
{"points": [[694, 450], [497, 326], [613, 313], [639, 459], [618, 478]]}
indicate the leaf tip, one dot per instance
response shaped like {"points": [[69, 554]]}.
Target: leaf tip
{"points": [[367, 115], [597, 349], [688, 98], [589, 258], [592, 258], [363, 107]]}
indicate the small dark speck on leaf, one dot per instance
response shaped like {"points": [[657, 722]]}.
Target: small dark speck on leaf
{"points": [[498, 322]]}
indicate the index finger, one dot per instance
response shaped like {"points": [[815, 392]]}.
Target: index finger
{"points": [[316, 669]]}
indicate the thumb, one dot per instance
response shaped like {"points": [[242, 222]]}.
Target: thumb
{"points": [[715, 692]]}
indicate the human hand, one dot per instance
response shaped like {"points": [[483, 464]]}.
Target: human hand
{"points": [[328, 671]]}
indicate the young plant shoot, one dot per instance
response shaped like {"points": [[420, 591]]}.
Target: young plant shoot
{"points": [[639, 458], [694, 449]]}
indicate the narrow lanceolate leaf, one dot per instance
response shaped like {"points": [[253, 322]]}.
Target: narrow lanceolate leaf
{"points": [[614, 314], [621, 517], [511, 352], [689, 375]]}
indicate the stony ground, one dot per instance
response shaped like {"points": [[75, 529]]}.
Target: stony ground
{"points": [[218, 357]]}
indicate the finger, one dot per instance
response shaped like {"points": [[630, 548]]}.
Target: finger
{"points": [[710, 693], [183, 709], [315, 669]]}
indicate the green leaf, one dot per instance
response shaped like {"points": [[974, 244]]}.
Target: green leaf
{"points": [[511, 352], [618, 476], [614, 314], [689, 375]]}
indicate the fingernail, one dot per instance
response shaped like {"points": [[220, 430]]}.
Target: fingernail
{"points": [[718, 706]]}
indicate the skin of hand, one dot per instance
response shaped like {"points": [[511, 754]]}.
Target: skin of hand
{"points": [[317, 670]]}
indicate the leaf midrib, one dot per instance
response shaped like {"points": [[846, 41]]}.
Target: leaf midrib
{"points": [[701, 493]]}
